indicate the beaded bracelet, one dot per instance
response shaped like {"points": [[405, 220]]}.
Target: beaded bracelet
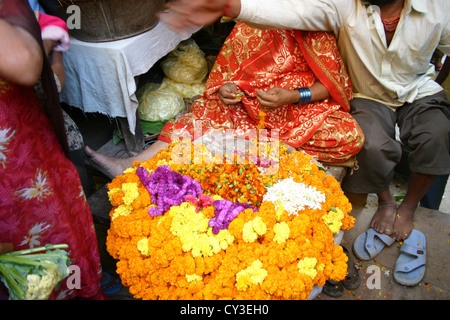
{"points": [[305, 96], [226, 11]]}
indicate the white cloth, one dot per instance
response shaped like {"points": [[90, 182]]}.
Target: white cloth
{"points": [[392, 75], [100, 77]]}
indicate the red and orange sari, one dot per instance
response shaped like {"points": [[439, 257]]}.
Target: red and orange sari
{"points": [[262, 59]]}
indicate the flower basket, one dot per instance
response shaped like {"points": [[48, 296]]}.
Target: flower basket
{"points": [[226, 228]]}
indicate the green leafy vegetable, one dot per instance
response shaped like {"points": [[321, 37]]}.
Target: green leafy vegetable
{"points": [[33, 274]]}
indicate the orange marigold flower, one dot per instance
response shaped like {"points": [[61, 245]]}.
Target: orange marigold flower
{"points": [[154, 265]]}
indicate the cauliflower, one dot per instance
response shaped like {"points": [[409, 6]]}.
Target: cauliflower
{"points": [[39, 287], [30, 275]]}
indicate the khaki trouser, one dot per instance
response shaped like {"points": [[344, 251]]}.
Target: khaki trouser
{"points": [[424, 128]]}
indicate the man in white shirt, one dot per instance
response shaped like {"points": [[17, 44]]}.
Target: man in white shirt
{"points": [[387, 46]]}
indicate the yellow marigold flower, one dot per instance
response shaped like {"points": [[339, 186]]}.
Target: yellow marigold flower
{"points": [[194, 232], [306, 168], [252, 275], [333, 219], [187, 261], [259, 226], [253, 229], [112, 191], [307, 266], [131, 191], [193, 278], [320, 267], [162, 162], [143, 246], [281, 231], [129, 170], [122, 210], [248, 234], [279, 209], [222, 239], [115, 196]]}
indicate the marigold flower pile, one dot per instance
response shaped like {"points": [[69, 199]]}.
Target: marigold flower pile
{"points": [[206, 230]]}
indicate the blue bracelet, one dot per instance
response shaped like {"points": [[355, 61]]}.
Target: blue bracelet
{"points": [[305, 96]]}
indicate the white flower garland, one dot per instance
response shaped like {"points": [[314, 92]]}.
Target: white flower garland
{"points": [[294, 196]]}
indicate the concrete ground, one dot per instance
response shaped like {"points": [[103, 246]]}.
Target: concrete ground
{"points": [[436, 282]]}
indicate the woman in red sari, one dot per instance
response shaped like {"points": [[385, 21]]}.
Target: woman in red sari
{"points": [[41, 197], [267, 66]]}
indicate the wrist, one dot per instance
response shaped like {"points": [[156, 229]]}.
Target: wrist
{"points": [[304, 95]]}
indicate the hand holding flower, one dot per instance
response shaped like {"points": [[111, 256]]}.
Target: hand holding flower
{"points": [[229, 94], [276, 97]]}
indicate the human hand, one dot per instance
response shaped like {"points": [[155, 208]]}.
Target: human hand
{"points": [[182, 15], [228, 93], [49, 45], [276, 97]]}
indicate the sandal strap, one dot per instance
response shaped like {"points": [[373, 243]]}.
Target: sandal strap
{"points": [[369, 245], [388, 240], [412, 250], [418, 253]]}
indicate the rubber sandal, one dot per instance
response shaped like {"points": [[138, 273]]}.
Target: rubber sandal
{"points": [[370, 243], [352, 279], [410, 266], [333, 288], [108, 286]]}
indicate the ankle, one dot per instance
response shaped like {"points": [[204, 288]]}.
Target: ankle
{"points": [[408, 207], [385, 198], [387, 202]]}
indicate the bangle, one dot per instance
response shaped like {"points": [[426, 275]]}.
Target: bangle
{"points": [[305, 95], [226, 11]]}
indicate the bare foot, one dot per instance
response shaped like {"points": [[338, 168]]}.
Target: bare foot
{"points": [[404, 222], [384, 218], [109, 166]]}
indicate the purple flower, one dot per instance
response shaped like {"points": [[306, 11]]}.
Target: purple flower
{"points": [[225, 212], [167, 188]]}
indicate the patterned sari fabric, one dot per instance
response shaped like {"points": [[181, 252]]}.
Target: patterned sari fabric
{"points": [[41, 196], [262, 59]]}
